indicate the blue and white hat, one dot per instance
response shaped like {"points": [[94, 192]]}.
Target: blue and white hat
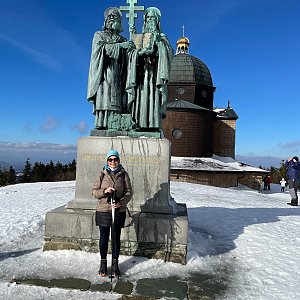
{"points": [[112, 153]]}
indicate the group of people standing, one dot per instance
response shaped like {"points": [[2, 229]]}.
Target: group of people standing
{"points": [[292, 179], [112, 189], [267, 182]]}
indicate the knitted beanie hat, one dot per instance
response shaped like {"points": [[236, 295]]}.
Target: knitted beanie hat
{"points": [[112, 153]]}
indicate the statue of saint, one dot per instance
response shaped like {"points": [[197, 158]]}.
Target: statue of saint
{"points": [[148, 74], [108, 70]]}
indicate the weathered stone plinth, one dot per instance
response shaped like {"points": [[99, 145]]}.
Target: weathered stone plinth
{"points": [[157, 226], [132, 134]]}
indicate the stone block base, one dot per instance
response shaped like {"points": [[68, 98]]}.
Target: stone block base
{"points": [[157, 226], [160, 236], [176, 254]]}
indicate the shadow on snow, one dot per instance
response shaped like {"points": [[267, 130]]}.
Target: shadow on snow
{"points": [[5, 255], [212, 230]]}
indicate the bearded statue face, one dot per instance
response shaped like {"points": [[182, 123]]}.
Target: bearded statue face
{"points": [[113, 22], [151, 22]]}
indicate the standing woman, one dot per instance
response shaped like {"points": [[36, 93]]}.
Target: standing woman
{"points": [[112, 181]]}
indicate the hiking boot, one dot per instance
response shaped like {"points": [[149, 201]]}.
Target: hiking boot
{"points": [[103, 268], [115, 268], [294, 202]]}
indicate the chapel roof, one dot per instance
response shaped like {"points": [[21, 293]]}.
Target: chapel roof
{"points": [[186, 68], [226, 113], [184, 105]]}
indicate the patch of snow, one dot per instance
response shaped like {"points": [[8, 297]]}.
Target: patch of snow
{"points": [[250, 238], [215, 163]]}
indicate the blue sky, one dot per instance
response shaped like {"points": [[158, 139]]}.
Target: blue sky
{"points": [[251, 48]]}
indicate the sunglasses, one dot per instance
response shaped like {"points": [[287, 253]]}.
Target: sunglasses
{"points": [[112, 159]]}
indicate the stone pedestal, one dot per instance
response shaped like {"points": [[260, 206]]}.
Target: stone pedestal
{"points": [[157, 226]]}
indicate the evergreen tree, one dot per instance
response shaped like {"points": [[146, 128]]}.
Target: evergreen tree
{"points": [[38, 172], [2, 178], [26, 171], [11, 177], [71, 171], [72, 166], [50, 172], [282, 169], [59, 175]]}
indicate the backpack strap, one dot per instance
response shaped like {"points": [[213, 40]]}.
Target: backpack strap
{"points": [[101, 177], [128, 211]]}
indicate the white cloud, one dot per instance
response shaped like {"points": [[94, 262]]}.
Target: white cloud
{"points": [[37, 56], [50, 124], [28, 127], [37, 146], [81, 127], [293, 146], [17, 153], [264, 161]]}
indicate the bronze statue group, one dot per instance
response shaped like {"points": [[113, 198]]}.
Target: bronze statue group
{"points": [[127, 80]]}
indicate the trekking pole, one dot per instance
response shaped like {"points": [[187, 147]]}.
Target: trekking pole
{"points": [[112, 201]]}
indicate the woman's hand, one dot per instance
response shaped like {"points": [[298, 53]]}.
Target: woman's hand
{"points": [[109, 190], [116, 205]]}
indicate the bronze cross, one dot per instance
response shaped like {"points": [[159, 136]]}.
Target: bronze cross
{"points": [[131, 15]]}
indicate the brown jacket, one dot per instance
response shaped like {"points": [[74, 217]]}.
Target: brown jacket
{"points": [[120, 182]]}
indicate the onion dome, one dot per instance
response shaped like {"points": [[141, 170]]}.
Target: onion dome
{"points": [[189, 69], [183, 45]]}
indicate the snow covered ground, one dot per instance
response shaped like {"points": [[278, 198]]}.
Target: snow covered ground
{"points": [[249, 239]]}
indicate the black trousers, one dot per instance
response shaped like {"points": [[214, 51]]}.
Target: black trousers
{"points": [[293, 186], [104, 238]]}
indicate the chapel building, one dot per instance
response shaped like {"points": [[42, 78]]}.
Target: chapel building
{"points": [[194, 127]]}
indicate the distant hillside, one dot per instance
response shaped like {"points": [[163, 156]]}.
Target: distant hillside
{"points": [[5, 165]]}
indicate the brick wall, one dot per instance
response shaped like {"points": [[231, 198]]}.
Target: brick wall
{"points": [[192, 93], [220, 179], [224, 138], [197, 133], [188, 95]]}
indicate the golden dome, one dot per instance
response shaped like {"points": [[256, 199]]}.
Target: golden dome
{"points": [[183, 40], [183, 45]]}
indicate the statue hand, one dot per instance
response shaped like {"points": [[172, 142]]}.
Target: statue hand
{"points": [[157, 38], [132, 29], [128, 45], [145, 51]]}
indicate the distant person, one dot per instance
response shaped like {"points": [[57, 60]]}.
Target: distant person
{"points": [[112, 182], [282, 184], [269, 181], [292, 175], [265, 183]]}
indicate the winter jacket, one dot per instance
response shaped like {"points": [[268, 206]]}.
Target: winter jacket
{"points": [[120, 182], [282, 182], [293, 170]]}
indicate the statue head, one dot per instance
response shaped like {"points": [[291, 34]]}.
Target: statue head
{"points": [[152, 18], [112, 20]]}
